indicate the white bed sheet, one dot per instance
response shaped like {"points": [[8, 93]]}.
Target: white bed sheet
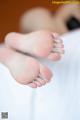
{"points": [[58, 100]]}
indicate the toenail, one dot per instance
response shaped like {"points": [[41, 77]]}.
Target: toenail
{"points": [[58, 50], [55, 36], [57, 39], [42, 77]]}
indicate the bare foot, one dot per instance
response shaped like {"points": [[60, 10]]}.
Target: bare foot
{"points": [[40, 44], [26, 70]]}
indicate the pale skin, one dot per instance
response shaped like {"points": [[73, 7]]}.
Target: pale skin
{"points": [[25, 67]]}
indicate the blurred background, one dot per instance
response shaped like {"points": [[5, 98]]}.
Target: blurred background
{"points": [[30, 15], [11, 10]]}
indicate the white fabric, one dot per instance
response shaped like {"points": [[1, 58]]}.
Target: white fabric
{"points": [[58, 100]]}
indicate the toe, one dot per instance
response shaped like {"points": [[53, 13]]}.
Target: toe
{"points": [[58, 50], [38, 83], [33, 85], [45, 73], [55, 35], [58, 45], [58, 41], [41, 81], [54, 56]]}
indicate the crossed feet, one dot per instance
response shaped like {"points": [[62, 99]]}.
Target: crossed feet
{"points": [[20, 51]]}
